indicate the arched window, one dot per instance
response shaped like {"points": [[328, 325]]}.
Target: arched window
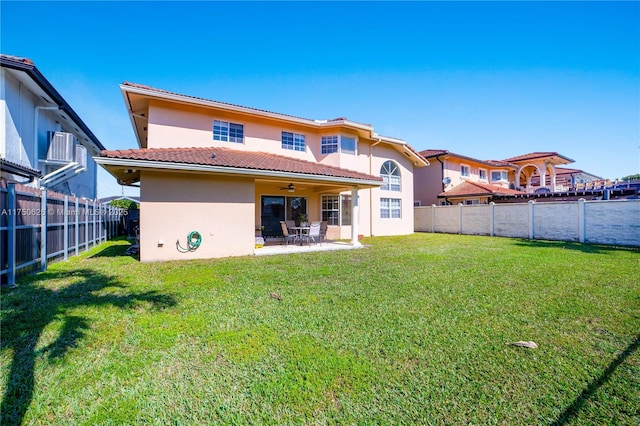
{"points": [[390, 173]]}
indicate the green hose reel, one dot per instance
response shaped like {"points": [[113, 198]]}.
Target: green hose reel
{"points": [[194, 239]]}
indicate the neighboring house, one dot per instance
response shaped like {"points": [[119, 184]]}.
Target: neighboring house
{"points": [[44, 142], [455, 178], [225, 170], [566, 178]]}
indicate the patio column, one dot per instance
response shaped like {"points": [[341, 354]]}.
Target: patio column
{"points": [[553, 179], [543, 175], [355, 217]]}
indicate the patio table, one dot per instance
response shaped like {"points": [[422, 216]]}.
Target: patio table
{"points": [[300, 231]]}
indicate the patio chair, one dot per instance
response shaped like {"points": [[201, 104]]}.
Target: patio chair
{"points": [[290, 223], [323, 230], [314, 233], [285, 233]]}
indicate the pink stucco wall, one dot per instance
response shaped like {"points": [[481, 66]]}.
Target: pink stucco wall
{"points": [[226, 210], [174, 204]]}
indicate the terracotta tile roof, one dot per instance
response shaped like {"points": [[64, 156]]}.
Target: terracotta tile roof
{"points": [[429, 153], [17, 59], [534, 156], [432, 153], [226, 157], [500, 163], [469, 188]]}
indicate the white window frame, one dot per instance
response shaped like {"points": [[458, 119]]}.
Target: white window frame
{"points": [[486, 174], [392, 181], [471, 202], [298, 141], [390, 208], [226, 133], [330, 144], [504, 176], [468, 169], [340, 205]]}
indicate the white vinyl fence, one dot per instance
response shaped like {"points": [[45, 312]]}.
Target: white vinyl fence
{"points": [[38, 226], [615, 222]]}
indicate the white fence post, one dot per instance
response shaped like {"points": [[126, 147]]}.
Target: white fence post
{"points": [[86, 224], [43, 230], [493, 218], [11, 234], [433, 218], [531, 218], [66, 227], [93, 228], [581, 221], [77, 228], [459, 218]]}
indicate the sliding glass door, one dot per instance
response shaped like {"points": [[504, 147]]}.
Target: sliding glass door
{"points": [[273, 209]]}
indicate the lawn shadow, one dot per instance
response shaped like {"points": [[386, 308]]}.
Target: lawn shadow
{"points": [[30, 307], [572, 410], [114, 250], [569, 245]]}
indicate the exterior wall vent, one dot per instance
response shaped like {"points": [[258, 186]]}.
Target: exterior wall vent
{"points": [[62, 147]]}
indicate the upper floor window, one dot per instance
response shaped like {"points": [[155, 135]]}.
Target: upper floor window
{"points": [[338, 143], [347, 145], [482, 174], [390, 174], [228, 132], [293, 141], [465, 171], [499, 175], [329, 144]]}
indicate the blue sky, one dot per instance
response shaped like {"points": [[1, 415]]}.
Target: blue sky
{"points": [[486, 80]]}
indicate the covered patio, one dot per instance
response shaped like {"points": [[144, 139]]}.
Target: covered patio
{"points": [[276, 246]]}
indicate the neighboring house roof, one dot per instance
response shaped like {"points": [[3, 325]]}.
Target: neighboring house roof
{"points": [[18, 169], [569, 171], [434, 153], [82, 132], [500, 163], [539, 155], [469, 189], [431, 153], [226, 160], [508, 162], [135, 108]]}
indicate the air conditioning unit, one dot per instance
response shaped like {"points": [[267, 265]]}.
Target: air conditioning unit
{"points": [[81, 156], [62, 147]]}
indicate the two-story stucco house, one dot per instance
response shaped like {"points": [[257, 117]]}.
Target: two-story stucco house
{"points": [[455, 178], [224, 170], [44, 142]]}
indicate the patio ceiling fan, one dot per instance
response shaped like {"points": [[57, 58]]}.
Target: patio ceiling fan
{"points": [[291, 188]]}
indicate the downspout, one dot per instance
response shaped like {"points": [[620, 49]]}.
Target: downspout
{"points": [[371, 189], [35, 133], [441, 172]]}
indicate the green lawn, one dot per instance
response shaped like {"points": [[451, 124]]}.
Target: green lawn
{"points": [[410, 330]]}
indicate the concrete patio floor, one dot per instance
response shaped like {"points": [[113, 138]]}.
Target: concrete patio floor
{"points": [[275, 246]]}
